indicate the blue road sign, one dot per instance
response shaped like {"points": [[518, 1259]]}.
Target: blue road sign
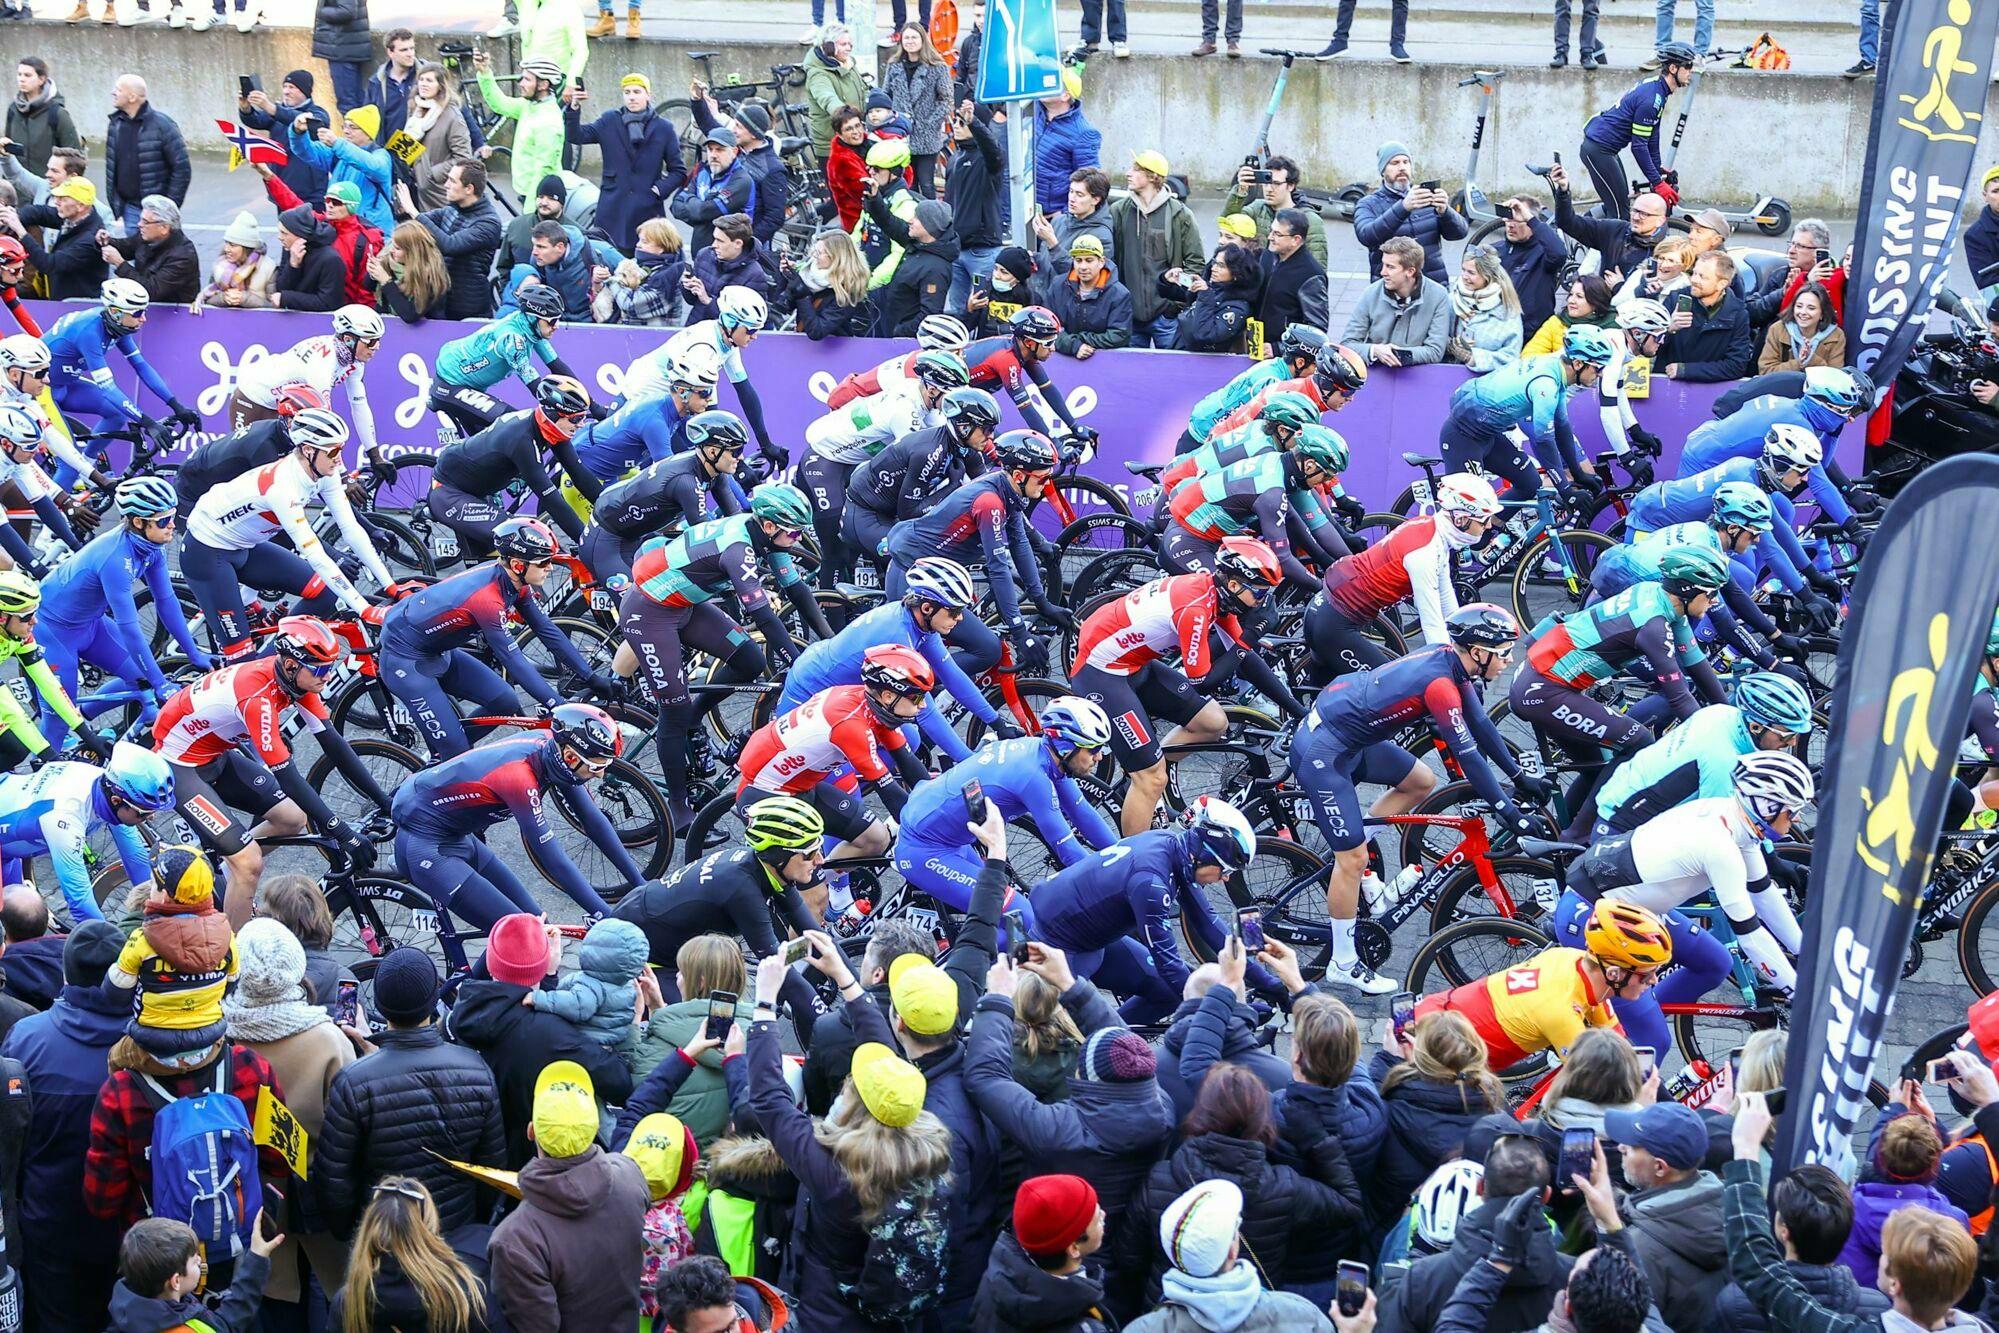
{"points": [[1019, 60]]}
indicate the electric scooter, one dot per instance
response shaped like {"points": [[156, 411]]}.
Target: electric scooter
{"points": [[1769, 215]]}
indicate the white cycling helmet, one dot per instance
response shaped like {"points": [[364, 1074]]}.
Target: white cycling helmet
{"points": [[358, 321], [124, 295], [24, 351], [546, 70], [1469, 494], [317, 428], [19, 428], [1452, 1193], [1644, 315], [1790, 447], [943, 333], [1217, 834], [1074, 723], [939, 579], [1772, 782], [741, 308], [697, 365]]}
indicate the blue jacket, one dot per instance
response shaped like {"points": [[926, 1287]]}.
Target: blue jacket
{"points": [[65, 1054], [1062, 144], [1740, 435], [1633, 121], [367, 168], [1380, 215], [569, 276], [1206, 1031], [1354, 1111], [638, 178], [1873, 1201], [745, 270], [1426, 1126], [306, 179]]}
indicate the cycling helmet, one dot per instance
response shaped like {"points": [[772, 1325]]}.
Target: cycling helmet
{"points": [[547, 71], [966, 410], [1835, 387], [1770, 700], [1075, 724], [24, 351], [1738, 504], [528, 539], [720, 428], [1301, 340], [936, 578], [1644, 315], [1770, 783], [1288, 408], [358, 321], [1322, 447], [124, 295], [783, 504], [296, 398], [12, 251], [539, 302], [741, 308], [308, 641], [1249, 562], [1340, 369], [586, 729], [943, 333], [20, 594], [138, 777], [1792, 448], [317, 428], [1482, 625], [889, 154], [561, 396], [783, 824], [696, 366], [1453, 1192], [1468, 494], [1218, 835], [940, 370], [18, 427], [1025, 451], [1034, 324], [897, 668], [146, 497], [1626, 935], [1587, 345], [1688, 571], [1676, 53]]}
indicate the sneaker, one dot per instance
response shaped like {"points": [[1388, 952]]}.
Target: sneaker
{"points": [[246, 20], [1360, 977], [1090, 48], [176, 16], [505, 28], [1650, 66], [1334, 50], [1859, 69], [202, 21], [1235, 50], [1122, 50], [1560, 61], [1600, 59], [1400, 54]]}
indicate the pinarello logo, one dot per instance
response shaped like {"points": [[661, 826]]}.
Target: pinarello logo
{"points": [[1131, 726]]}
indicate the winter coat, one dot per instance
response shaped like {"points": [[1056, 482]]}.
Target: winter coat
{"points": [[974, 177], [306, 178], [1063, 145], [1780, 353], [1380, 215], [399, 1306], [747, 1217], [846, 168], [1419, 1299], [1146, 244], [570, 276], [766, 168], [320, 281], [745, 270], [1534, 264], [702, 1103], [1419, 325], [1017, 1295], [518, 1044], [1716, 347], [637, 178], [1831, 1285], [159, 156], [1873, 1201], [1263, 214], [233, 1311], [922, 276], [831, 1053], [1677, 1232], [921, 94], [468, 237], [829, 85], [446, 138], [554, 32], [1481, 320], [1622, 249], [602, 994], [1427, 1121], [64, 1053], [40, 126], [655, 302], [354, 240], [538, 134], [33, 974], [1981, 250], [1354, 1111], [170, 271], [569, 1256], [1245, 1308], [1219, 1027], [708, 197], [1099, 314], [367, 168], [1217, 320], [390, 96], [340, 32], [70, 258], [821, 316], [1284, 283]]}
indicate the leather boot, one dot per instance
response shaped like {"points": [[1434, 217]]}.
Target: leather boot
{"points": [[79, 14], [632, 24], [604, 26]]}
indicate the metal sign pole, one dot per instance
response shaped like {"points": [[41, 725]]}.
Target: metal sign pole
{"points": [[1020, 170]]}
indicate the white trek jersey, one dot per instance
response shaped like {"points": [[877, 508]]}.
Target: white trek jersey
{"points": [[647, 376], [863, 428], [317, 364], [1613, 406], [254, 507]]}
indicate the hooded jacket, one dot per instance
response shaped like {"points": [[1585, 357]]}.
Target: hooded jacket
{"points": [[1873, 1201], [468, 237], [975, 174], [1017, 1295], [1831, 1285], [236, 1312], [569, 1256], [1098, 314], [829, 85], [65, 1055], [746, 1218], [40, 125], [1427, 1121], [1677, 1232], [1380, 215], [1230, 1302], [352, 239], [158, 157], [34, 970], [1221, 1027], [921, 281], [1414, 1304], [1148, 242], [340, 32], [319, 282], [1218, 318]]}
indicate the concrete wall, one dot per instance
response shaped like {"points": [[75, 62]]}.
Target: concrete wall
{"points": [[1800, 137]]}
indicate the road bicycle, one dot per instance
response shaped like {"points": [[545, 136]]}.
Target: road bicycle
{"points": [[1769, 214]]}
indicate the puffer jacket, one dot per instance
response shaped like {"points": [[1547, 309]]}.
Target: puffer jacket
{"points": [[921, 94], [162, 157], [1062, 145], [1831, 1285], [386, 1112], [351, 238], [399, 1307], [306, 179], [66, 1055], [1019, 1296], [1215, 1027], [1216, 321], [1418, 1300], [1426, 1125], [340, 32], [746, 1219], [468, 237], [1353, 1110], [1099, 314], [1677, 1232], [1380, 215]]}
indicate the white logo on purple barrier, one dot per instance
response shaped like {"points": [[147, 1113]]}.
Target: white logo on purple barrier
{"points": [[214, 401]]}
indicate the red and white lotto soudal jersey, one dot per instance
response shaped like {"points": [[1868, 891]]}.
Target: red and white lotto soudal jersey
{"points": [[242, 702], [1167, 615], [795, 752]]}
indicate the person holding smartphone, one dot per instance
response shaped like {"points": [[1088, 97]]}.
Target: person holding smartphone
{"points": [[1397, 207]]}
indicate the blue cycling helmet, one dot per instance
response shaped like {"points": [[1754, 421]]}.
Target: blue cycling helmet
{"points": [[1770, 700], [138, 777], [1835, 387], [1738, 504], [1587, 345], [1218, 835], [1075, 724], [146, 497]]}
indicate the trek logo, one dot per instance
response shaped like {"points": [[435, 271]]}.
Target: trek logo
{"points": [[1576, 721], [1131, 726]]}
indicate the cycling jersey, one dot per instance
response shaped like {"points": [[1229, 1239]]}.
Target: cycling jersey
{"points": [[863, 428], [837, 661], [92, 594], [1223, 450], [996, 363], [1178, 613], [55, 436], [709, 559], [227, 457], [651, 375], [1984, 720], [1638, 562], [724, 893], [506, 452], [1693, 761], [50, 813], [1223, 401], [80, 371], [1412, 563], [494, 351], [906, 478], [673, 491], [886, 376], [643, 429], [833, 729], [318, 364], [1250, 496], [1253, 409], [1024, 779], [13, 719], [1633, 121], [1579, 648], [1741, 435], [253, 508], [1531, 395], [1691, 500], [1613, 398], [1544, 1004], [984, 522], [245, 702], [480, 603]]}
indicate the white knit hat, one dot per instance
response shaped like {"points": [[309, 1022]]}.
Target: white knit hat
{"points": [[244, 231], [1198, 1229], [270, 962]]}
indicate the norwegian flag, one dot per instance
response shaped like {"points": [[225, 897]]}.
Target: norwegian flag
{"points": [[249, 145]]}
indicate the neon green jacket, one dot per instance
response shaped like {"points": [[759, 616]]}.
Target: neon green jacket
{"points": [[13, 717], [554, 32], [537, 138]]}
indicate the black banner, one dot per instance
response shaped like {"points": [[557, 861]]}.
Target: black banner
{"points": [[1922, 606], [1929, 103]]}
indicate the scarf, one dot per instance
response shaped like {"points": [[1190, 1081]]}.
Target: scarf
{"points": [[1469, 303], [1220, 1303], [28, 105], [250, 1024], [1802, 347], [423, 116], [635, 124], [226, 275], [813, 277]]}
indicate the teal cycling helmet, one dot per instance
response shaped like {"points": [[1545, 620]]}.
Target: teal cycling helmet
{"points": [[783, 504], [1992, 639], [1837, 388], [146, 497], [1770, 700], [138, 778], [1587, 345], [1688, 571], [1738, 504], [1322, 447], [1286, 408]]}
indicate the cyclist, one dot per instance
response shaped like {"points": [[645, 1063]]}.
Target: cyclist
{"points": [[1285, 420], [738, 891], [740, 315], [1337, 375], [1411, 564], [442, 815], [21, 439], [230, 535], [226, 737], [1297, 353], [1031, 776], [1833, 398], [1112, 912], [904, 480], [427, 657], [1545, 1003], [1984, 721], [1644, 323], [20, 600], [1696, 759], [244, 449], [937, 594], [24, 382], [89, 611], [842, 440], [678, 491], [848, 726], [466, 485], [337, 359], [984, 521], [13, 277], [1120, 664], [467, 367], [649, 429], [1013, 362], [1262, 495], [52, 811], [670, 608], [81, 382], [1634, 123], [1490, 413], [939, 332], [1680, 854], [1349, 738]]}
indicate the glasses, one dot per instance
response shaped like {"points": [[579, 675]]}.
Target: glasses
{"points": [[168, 522], [791, 534], [336, 203]]}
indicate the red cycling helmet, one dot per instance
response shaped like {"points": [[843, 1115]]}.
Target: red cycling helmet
{"points": [[12, 251], [296, 398], [1249, 562], [308, 641], [894, 666]]}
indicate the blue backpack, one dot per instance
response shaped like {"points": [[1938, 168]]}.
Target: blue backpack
{"points": [[204, 1160]]}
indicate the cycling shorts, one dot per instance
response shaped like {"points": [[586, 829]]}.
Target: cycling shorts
{"points": [[246, 412], [1572, 719], [470, 410], [208, 796], [472, 517], [1132, 703], [660, 635], [1338, 645], [217, 577], [1330, 775], [1184, 553], [846, 816]]}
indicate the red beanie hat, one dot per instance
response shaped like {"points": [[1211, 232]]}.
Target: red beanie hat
{"points": [[1051, 1213], [517, 950]]}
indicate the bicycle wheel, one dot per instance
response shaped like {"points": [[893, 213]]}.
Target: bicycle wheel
{"points": [[1472, 949], [1542, 586], [365, 703], [378, 914], [1087, 541], [638, 814], [406, 554], [1978, 940], [713, 828], [1463, 898], [1120, 570], [733, 719], [413, 473], [1295, 912], [389, 764], [1035, 693], [595, 644]]}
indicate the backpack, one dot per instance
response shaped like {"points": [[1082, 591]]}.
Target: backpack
{"points": [[204, 1161], [902, 1273]]}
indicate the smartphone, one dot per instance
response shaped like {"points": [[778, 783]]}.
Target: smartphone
{"points": [[1262, 177], [1941, 1071], [978, 282], [249, 83], [1648, 1061], [1249, 925], [15, 150], [1402, 1012], [1558, 159], [347, 1001], [1016, 938], [721, 1013], [1822, 255], [796, 951], [1351, 1293], [975, 801], [1683, 304], [1774, 1099], [1431, 185], [1735, 1066], [273, 1224], [1578, 1157]]}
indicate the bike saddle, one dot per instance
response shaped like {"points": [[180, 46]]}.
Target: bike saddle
{"points": [[1421, 460], [1540, 170], [454, 49], [1547, 847], [859, 592], [788, 147], [1150, 471]]}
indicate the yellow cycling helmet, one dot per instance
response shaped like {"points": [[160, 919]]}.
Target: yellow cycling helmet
{"points": [[783, 825], [1626, 935], [889, 154], [20, 595]]}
